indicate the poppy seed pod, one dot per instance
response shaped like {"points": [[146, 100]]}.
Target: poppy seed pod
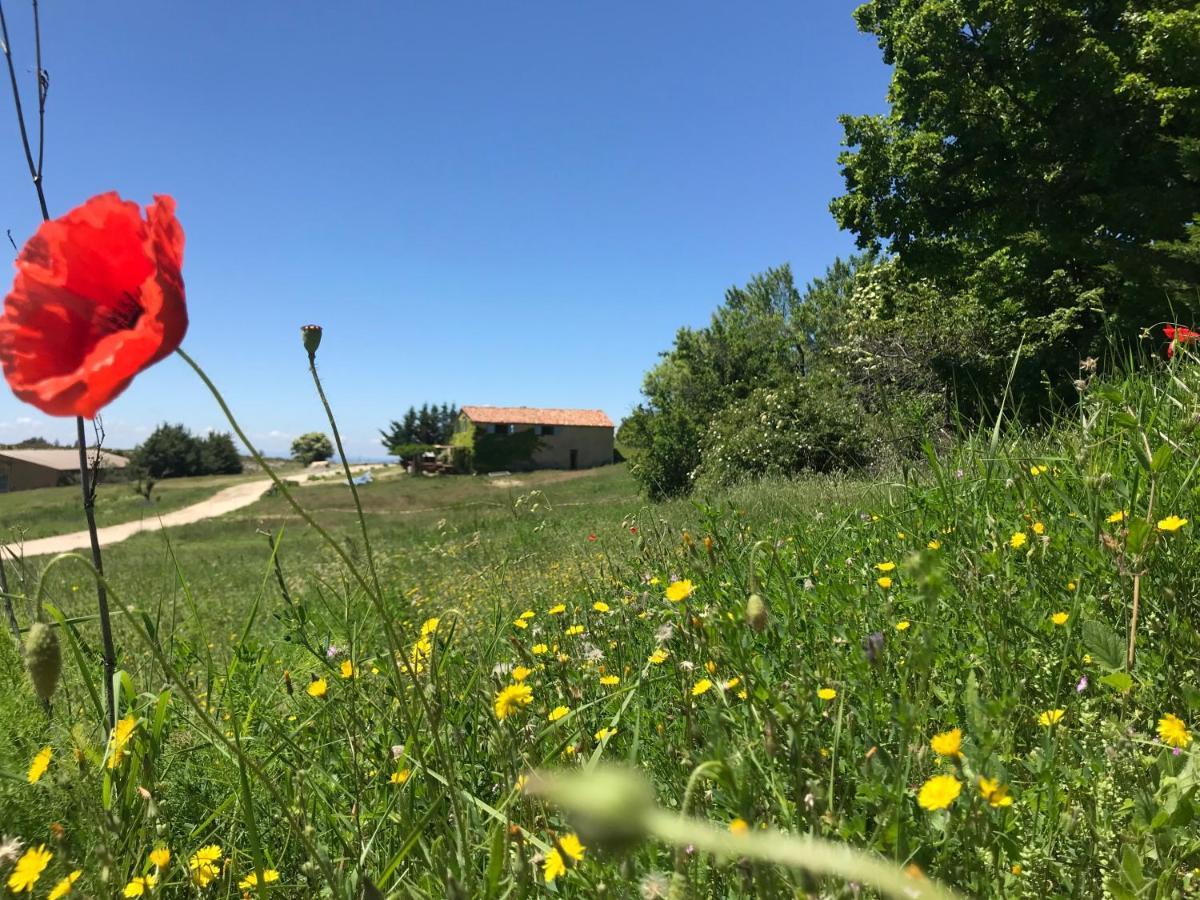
{"points": [[43, 659], [310, 335], [756, 612]]}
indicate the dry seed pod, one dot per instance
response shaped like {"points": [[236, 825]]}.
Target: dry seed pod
{"points": [[756, 612]]}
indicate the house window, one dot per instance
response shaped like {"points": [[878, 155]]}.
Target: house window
{"points": [[545, 430], [500, 429]]}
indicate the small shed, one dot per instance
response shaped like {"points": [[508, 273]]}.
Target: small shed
{"points": [[22, 470]]}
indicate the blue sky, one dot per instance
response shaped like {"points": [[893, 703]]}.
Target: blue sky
{"points": [[510, 204]]}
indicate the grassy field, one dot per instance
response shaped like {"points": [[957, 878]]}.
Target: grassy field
{"points": [[933, 670]]}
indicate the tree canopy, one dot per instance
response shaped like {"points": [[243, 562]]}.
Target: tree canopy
{"points": [[1039, 165]]}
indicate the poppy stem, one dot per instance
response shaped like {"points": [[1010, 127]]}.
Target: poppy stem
{"points": [[89, 512], [35, 170]]}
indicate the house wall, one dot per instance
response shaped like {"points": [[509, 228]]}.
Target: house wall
{"points": [[18, 475], [595, 446]]}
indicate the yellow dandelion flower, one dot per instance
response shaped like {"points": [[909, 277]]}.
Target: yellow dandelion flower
{"points": [[512, 698], [140, 885], [519, 785], [557, 609], [160, 857], [605, 733], [540, 650], [250, 882], [600, 606], [678, 591], [120, 739], [939, 792], [732, 683], [658, 657], [429, 626], [887, 566], [568, 847], [528, 614], [520, 673], [574, 630], [558, 712], [826, 693], [700, 687], [903, 625], [934, 544], [29, 868], [400, 776], [203, 865], [1174, 731], [347, 669], [1039, 528], [995, 793], [1035, 471], [1060, 618], [610, 680], [520, 623], [1118, 516], [884, 582], [739, 826], [1071, 586], [41, 762], [65, 886], [948, 743], [318, 688], [1018, 540], [1171, 523], [1051, 717]]}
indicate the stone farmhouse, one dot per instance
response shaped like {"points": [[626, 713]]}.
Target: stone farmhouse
{"points": [[566, 438]]}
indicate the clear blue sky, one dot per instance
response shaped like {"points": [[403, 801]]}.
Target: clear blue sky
{"points": [[510, 204]]}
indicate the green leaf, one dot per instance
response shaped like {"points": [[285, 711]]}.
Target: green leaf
{"points": [[1139, 535], [1107, 648], [1118, 681], [1162, 456], [1131, 868]]}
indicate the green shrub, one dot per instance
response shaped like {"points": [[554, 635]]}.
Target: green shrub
{"points": [[814, 424]]}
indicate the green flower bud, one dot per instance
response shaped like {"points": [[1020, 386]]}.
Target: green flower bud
{"points": [[608, 806], [311, 336], [43, 658], [756, 612]]}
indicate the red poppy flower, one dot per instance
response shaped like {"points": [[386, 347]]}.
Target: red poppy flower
{"points": [[1178, 334], [97, 298]]}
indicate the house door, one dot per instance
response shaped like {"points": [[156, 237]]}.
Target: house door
{"points": [[574, 459]]}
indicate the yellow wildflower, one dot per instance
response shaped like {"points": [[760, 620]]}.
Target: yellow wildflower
{"points": [[1017, 541], [318, 688], [658, 657], [995, 793], [251, 880], [934, 544], [1035, 471], [1174, 731], [885, 566], [600, 606], [605, 733], [64, 886], [140, 885], [512, 698], [903, 625], [540, 649], [520, 673], [29, 868], [680, 590], [558, 712], [41, 762], [558, 609], [528, 614], [1118, 516], [555, 865], [400, 776], [520, 623], [121, 736], [948, 743], [884, 582], [610, 680], [347, 669], [739, 826], [203, 865], [1060, 618], [160, 857], [1171, 523], [826, 693], [700, 687], [429, 626], [1039, 528], [574, 630], [939, 792], [1051, 717]]}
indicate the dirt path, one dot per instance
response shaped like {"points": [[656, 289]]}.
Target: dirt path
{"points": [[220, 503]]}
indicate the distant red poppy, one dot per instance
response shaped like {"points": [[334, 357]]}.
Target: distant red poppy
{"points": [[591, 537], [1178, 334], [97, 298]]}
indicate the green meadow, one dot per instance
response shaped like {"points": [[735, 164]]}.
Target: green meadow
{"points": [[939, 668]]}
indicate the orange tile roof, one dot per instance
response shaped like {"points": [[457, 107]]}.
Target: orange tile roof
{"points": [[528, 415]]}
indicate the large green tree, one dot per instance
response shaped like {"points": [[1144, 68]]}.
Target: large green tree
{"points": [[1039, 165]]}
